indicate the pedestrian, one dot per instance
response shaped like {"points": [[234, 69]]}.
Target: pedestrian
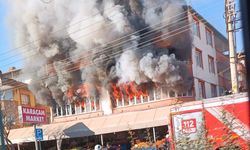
{"points": [[167, 142]]}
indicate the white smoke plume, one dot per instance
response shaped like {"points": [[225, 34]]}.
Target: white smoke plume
{"points": [[99, 42]]}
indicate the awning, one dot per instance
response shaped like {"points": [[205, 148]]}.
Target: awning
{"points": [[96, 126]]}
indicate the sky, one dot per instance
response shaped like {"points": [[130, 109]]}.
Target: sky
{"points": [[8, 56], [211, 10]]}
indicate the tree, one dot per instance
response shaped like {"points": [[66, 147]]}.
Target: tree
{"points": [[9, 119]]}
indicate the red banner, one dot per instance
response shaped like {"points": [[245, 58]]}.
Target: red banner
{"points": [[32, 115]]}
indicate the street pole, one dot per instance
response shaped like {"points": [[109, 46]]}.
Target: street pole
{"points": [[230, 19], [36, 144], [154, 135], [102, 139]]}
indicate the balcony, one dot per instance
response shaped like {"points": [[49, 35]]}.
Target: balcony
{"points": [[90, 108]]}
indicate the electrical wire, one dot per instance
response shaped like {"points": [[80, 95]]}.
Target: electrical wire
{"points": [[76, 68], [95, 31], [121, 37], [66, 27]]}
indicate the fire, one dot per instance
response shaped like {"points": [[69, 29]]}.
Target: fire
{"points": [[76, 93], [126, 91], [117, 93], [129, 90]]}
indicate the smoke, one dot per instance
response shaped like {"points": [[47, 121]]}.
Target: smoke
{"points": [[109, 41]]}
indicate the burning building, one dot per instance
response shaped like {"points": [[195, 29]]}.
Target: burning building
{"points": [[116, 61], [108, 51]]}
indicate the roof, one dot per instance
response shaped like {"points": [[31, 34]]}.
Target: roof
{"points": [[96, 126], [210, 26], [6, 84]]}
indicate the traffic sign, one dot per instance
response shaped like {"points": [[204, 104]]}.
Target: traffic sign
{"points": [[39, 134]]}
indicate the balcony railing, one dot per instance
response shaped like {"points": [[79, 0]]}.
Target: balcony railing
{"points": [[92, 104]]}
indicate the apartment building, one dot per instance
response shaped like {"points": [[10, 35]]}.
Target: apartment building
{"points": [[210, 66]]}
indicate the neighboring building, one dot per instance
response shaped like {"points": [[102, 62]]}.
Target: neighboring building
{"points": [[16, 93], [208, 60], [84, 122]]}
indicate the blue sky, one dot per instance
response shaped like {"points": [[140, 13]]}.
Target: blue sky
{"points": [[212, 10], [6, 46]]}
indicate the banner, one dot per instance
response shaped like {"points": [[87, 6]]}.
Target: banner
{"points": [[32, 115]]}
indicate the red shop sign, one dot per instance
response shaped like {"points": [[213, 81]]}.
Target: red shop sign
{"points": [[32, 115]]}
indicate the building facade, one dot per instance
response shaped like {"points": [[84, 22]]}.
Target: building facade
{"points": [[209, 65], [14, 92], [86, 121]]}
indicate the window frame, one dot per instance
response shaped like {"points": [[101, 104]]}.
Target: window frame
{"points": [[28, 96], [213, 88], [201, 58], [202, 93], [196, 23], [211, 69], [207, 30]]}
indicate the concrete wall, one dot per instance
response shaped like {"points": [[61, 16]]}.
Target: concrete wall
{"points": [[203, 73]]}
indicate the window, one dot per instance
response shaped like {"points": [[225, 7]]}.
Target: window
{"points": [[6, 95], [209, 37], [25, 99], [221, 91], [211, 64], [213, 90], [172, 94], [201, 86], [198, 57], [186, 94], [196, 27]]}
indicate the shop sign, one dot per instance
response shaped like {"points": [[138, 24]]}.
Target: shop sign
{"points": [[32, 115]]}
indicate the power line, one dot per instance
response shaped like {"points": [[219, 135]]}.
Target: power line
{"points": [[72, 69], [65, 28], [74, 32], [114, 40], [87, 56], [118, 52], [103, 60]]}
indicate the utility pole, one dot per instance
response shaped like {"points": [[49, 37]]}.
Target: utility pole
{"points": [[230, 16]]}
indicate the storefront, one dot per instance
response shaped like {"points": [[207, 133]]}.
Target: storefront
{"points": [[138, 128], [124, 140]]}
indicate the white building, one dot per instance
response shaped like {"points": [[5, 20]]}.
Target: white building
{"points": [[207, 54]]}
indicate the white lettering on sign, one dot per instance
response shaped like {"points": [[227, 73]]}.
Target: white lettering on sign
{"points": [[32, 111], [188, 126], [34, 119], [33, 115]]}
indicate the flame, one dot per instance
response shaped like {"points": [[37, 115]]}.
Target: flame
{"points": [[129, 90], [77, 93], [126, 91], [117, 93]]}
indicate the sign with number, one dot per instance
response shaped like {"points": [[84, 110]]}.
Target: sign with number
{"points": [[39, 134], [188, 126]]}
